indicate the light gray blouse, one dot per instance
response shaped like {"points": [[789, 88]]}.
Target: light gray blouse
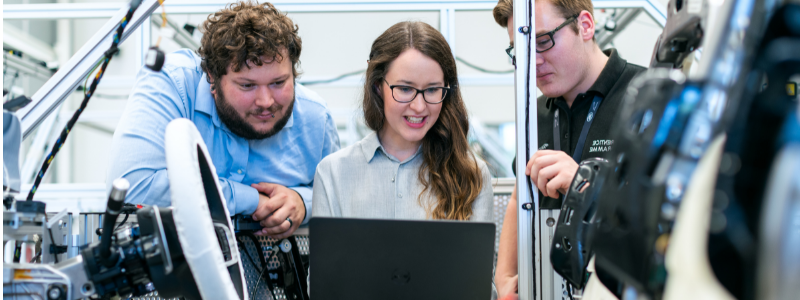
{"points": [[365, 181]]}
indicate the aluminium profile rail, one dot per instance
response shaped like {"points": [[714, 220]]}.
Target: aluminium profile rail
{"points": [[66, 80]]}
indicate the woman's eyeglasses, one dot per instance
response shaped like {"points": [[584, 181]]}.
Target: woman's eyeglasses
{"points": [[406, 94]]}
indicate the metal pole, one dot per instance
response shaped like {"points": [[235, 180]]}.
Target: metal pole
{"points": [[605, 36], [447, 25], [64, 82], [523, 23]]}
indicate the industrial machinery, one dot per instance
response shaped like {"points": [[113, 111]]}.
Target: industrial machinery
{"points": [[682, 206], [187, 250]]}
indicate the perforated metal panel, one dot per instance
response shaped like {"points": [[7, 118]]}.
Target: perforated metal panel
{"points": [[499, 212], [258, 288], [266, 245], [151, 296]]}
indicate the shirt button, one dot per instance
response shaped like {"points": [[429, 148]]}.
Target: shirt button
{"points": [[392, 179], [566, 135], [399, 195], [239, 171]]}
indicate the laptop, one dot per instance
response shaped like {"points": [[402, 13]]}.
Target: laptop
{"points": [[364, 259]]}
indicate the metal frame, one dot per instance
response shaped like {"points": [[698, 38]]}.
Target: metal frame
{"points": [[64, 82], [26, 67]]}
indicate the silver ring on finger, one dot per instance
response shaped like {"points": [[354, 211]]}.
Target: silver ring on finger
{"points": [[291, 224]]}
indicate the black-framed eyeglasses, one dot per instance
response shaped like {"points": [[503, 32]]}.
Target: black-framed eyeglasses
{"points": [[406, 94], [510, 52], [545, 40]]}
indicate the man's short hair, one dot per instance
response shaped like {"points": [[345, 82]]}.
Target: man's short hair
{"points": [[503, 11], [568, 8], [242, 33]]}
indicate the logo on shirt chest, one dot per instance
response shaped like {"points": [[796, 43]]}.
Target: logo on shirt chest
{"points": [[601, 146]]}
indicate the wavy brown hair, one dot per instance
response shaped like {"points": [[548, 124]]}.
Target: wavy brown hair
{"points": [[449, 169], [243, 33]]}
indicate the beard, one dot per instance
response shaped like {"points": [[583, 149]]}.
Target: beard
{"points": [[237, 124]]}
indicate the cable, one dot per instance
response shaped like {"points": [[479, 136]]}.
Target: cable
{"points": [[337, 78], [124, 220], [345, 75], [52, 241], [37, 256], [482, 69], [528, 128], [264, 270], [253, 239], [85, 81], [87, 95]]}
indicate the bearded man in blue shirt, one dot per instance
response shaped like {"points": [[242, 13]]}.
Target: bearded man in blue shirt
{"points": [[265, 133]]}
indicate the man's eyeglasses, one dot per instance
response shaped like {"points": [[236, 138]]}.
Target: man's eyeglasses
{"points": [[545, 40], [510, 52], [406, 94]]}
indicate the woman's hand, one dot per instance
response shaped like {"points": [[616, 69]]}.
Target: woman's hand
{"points": [[507, 288]]}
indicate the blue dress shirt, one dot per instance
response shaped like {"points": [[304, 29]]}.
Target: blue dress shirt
{"points": [[181, 90]]}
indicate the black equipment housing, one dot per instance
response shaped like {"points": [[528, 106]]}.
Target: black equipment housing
{"points": [[571, 249]]}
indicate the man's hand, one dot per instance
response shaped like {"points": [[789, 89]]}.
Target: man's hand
{"points": [[276, 205], [551, 171], [508, 288]]}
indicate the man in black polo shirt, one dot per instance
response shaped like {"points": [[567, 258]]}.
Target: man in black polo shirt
{"points": [[582, 89]]}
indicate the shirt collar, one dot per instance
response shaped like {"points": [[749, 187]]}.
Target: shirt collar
{"points": [[605, 81], [205, 104], [610, 74], [371, 144]]}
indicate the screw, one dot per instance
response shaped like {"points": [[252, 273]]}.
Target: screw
{"points": [[54, 293], [527, 206], [524, 29]]}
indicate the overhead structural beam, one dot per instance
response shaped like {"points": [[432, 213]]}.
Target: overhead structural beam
{"points": [[181, 36], [654, 8], [64, 82], [17, 39], [606, 35], [26, 67], [68, 77]]}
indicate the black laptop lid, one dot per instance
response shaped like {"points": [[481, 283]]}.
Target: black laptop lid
{"points": [[359, 259]]}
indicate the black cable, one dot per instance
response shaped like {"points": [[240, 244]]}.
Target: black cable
{"points": [[262, 260], [63, 137], [52, 240], [258, 281], [37, 256], [482, 69], [124, 220]]}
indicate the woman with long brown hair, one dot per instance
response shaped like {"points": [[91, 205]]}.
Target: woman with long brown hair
{"points": [[417, 164]]}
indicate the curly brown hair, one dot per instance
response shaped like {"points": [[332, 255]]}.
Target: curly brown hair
{"points": [[243, 33], [449, 169]]}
